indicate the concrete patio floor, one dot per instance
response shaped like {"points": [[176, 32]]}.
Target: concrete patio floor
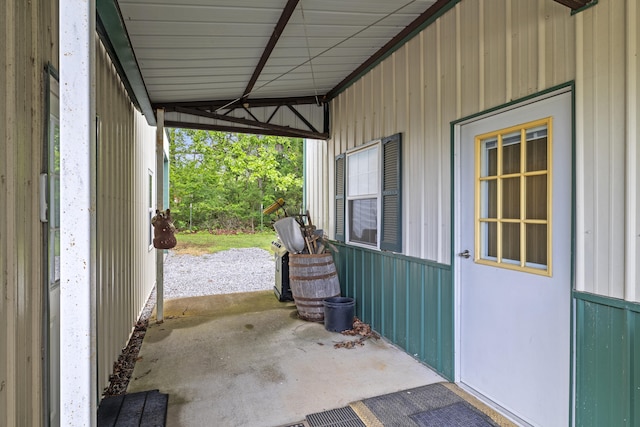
{"points": [[245, 359]]}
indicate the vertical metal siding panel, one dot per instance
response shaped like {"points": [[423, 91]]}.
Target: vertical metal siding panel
{"points": [[431, 156], [125, 275], [415, 310], [377, 296], [402, 302], [388, 285], [358, 113], [448, 109], [495, 48], [377, 103], [603, 381], [367, 108], [5, 214], [524, 46], [602, 153], [632, 288], [634, 358], [363, 292], [413, 149], [432, 303], [469, 34], [388, 95], [26, 49], [447, 326], [559, 48]]}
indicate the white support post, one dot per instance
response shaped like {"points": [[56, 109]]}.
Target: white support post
{"points": [[78, 385], [160, 207]]}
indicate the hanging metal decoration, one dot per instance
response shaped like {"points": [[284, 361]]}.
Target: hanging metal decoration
{"points": [[163, 230]]}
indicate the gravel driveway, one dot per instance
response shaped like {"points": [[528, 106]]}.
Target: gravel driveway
{"points": [[226, 272]]}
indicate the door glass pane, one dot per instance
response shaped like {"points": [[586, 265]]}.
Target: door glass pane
{"points": [[489, 208], [363, 221], [489, 157], [536, 244], [537, 197], [511, 153], [537, 149], [511, 198], [489, 237], [511, 242]]}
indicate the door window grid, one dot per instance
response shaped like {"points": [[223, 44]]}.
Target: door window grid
{"points": [[513, 197]]}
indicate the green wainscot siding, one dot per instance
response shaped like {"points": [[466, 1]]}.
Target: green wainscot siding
{"points": [[607, 362], [407, 300]]}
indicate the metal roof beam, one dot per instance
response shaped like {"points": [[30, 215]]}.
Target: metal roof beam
{"points": [[273, 40], [219, 104], [260, 125]]}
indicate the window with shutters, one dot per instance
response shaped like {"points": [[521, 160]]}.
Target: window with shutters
{"points": [[368, 195]]}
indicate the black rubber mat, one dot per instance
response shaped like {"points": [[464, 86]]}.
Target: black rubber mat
{"points": [[143, 409], [341, 417], [457, 415], [431, 405]]}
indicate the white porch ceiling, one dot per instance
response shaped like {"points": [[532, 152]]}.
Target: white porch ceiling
{"points": [[262, 66]]}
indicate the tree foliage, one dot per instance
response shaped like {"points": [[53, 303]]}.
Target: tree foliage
{"points": [[220, 180]]}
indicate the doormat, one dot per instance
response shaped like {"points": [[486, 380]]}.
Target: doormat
{"points": [[144, 409], [435, 405]]}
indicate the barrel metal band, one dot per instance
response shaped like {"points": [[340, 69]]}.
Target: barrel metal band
{"points": [[322, 264], [308, 278], [312, 299]]}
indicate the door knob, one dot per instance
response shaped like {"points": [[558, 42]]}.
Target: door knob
{"points": [[465, 254]]}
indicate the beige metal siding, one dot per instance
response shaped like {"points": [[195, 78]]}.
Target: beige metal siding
{"points": [[316, 166], [28, 40], [478, 55], [125, 264], [607, 157]]}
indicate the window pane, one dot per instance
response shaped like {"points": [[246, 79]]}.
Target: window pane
{"points": [[537, 149], [537, 244], [511, 153], [489, 158], [363, 221], [489, 236], [489, 202], [537, 197], [511, 242], [363, 172], [511, 198]]}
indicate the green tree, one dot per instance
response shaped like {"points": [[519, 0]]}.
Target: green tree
{"points": [[224, 179]]}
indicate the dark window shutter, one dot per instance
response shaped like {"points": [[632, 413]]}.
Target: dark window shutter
{"points": [[340, 197], [391, 194]]}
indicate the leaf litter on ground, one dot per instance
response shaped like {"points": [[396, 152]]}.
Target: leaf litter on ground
{"points": [[361, 329]]}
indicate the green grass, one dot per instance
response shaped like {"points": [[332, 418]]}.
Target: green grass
{"points": [[200, 243]]}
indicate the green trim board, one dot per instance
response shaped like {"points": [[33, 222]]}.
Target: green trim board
{"points": [[607, 361], [407, 300]]}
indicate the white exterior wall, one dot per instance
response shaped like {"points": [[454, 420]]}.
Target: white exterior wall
{"points": [[28, 40], [607, 120], [125, 264], [478, 55]]}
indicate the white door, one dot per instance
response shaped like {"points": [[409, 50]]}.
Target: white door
{"points": [[514, 214]]}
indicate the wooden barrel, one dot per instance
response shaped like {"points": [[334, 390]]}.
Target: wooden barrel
{"points": [[312, 279]]}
